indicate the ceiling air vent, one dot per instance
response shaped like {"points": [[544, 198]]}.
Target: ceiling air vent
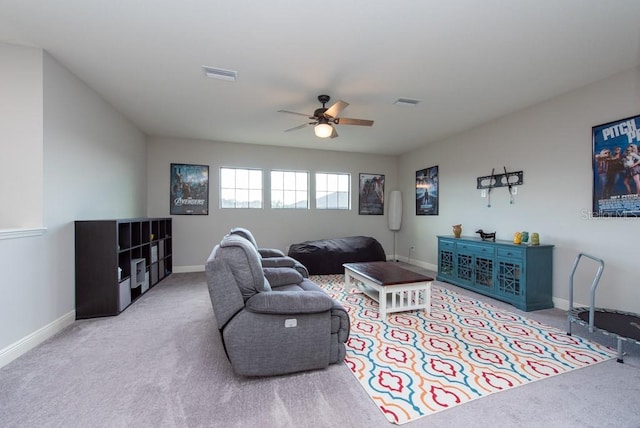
{"points": [[220, 73], [406, 102]]}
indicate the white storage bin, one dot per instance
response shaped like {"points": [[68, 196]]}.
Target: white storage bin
{"points": [[124, 294], [145, 284]]}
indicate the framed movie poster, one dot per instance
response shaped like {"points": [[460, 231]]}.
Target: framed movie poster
{"points": [[371, 194], [616, 168], [427, 191], [189, 191]]}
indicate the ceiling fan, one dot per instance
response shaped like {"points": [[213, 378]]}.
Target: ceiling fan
{"points": [[323, 118]]}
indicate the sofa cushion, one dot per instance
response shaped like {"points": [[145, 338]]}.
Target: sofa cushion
{"points": [[290, 302], [226, 298], [282, 276], [244, 261], [278, 262], [268, 253], [246, 234]]}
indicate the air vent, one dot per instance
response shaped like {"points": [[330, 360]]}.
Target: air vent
{"points": [[220, 73], [406, 102]]}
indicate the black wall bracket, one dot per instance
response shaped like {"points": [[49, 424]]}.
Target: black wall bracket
{"points": [[506, 179]]}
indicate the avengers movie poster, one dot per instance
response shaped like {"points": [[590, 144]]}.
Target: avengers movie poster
{"points": [[616, 168], [189, 189]]}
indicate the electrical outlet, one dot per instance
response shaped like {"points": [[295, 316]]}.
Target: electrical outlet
{"points": [[483, 193], [514, 190]]}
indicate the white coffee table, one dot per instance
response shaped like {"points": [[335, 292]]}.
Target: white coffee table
{"points": [[394, 288]]}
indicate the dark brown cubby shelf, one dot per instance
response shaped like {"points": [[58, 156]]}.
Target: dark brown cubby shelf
{"points": [[105, 250]]}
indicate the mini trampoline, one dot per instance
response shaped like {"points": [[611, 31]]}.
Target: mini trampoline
{"points": [[624, 326]]}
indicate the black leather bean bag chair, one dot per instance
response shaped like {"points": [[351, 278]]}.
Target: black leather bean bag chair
{"points": [[326, 256]]}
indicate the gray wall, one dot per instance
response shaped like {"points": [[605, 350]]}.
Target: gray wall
{"points": [[194, 236], [21, 112], [94, 167], [551, 143]]}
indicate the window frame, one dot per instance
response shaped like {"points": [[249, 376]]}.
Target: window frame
{"points": [[249, 190], [295, 190], [327, 186]]}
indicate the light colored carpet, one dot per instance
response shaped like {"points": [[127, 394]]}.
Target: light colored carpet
{"points": [[161, 364]]}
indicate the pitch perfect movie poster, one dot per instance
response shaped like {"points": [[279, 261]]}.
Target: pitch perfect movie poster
{"points": [[189, 189], [616, 168]]}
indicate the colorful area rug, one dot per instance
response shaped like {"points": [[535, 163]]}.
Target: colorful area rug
{"points": [[413, 364]]}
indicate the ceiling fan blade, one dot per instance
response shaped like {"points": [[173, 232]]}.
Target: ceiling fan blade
{"points": [[296, 113], [334, 133], [349, 121], [304, 125], [336, 108]]}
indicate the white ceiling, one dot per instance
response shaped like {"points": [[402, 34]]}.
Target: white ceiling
{"points": [[468, 61]]}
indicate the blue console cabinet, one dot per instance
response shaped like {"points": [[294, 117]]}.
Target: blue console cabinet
{"points": [[518, 274]]}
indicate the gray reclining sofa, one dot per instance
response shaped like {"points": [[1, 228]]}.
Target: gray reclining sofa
{"points": [[272, 320]]}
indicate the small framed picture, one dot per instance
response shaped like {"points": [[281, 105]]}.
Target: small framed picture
{"points": [[427, 191], [371, 194], [189, 189]]}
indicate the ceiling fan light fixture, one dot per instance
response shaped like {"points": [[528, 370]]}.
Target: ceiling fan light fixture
{"points": [[323, 130], [324, 118]]}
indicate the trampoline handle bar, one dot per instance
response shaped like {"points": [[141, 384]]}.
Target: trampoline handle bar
{"points": [[594, 285]]}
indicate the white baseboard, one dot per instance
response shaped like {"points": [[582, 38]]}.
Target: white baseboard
{"points": [[424, 265], [419, 263], [29, 342], [564, 304]]}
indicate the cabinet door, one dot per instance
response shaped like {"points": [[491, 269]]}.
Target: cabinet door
{"points": [[475, 270], [446, 254], [464, 268], [446, 265], [509, 278], [483, 273]]}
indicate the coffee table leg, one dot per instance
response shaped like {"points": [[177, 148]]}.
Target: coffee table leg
{"points": [[347, 280], [382, 304]]}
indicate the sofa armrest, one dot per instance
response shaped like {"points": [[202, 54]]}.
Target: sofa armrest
{"points": [[340, 323], [278, 276], [270, 252], [277, 262], [289, 302]]}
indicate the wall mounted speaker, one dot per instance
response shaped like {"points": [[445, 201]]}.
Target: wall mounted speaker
{"points": [[395, 210]]}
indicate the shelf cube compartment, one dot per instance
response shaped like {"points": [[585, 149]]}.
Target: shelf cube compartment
{"points": [[138, 271]]}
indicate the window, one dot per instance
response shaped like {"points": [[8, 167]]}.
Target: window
{"points": [[289, 189], [332, 191], [240, 188]]}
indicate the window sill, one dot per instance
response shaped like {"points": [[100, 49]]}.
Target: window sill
{"points": [[22, 233]]}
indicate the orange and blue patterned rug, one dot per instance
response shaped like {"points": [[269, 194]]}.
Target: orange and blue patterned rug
{"points": [[413, 364]]}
